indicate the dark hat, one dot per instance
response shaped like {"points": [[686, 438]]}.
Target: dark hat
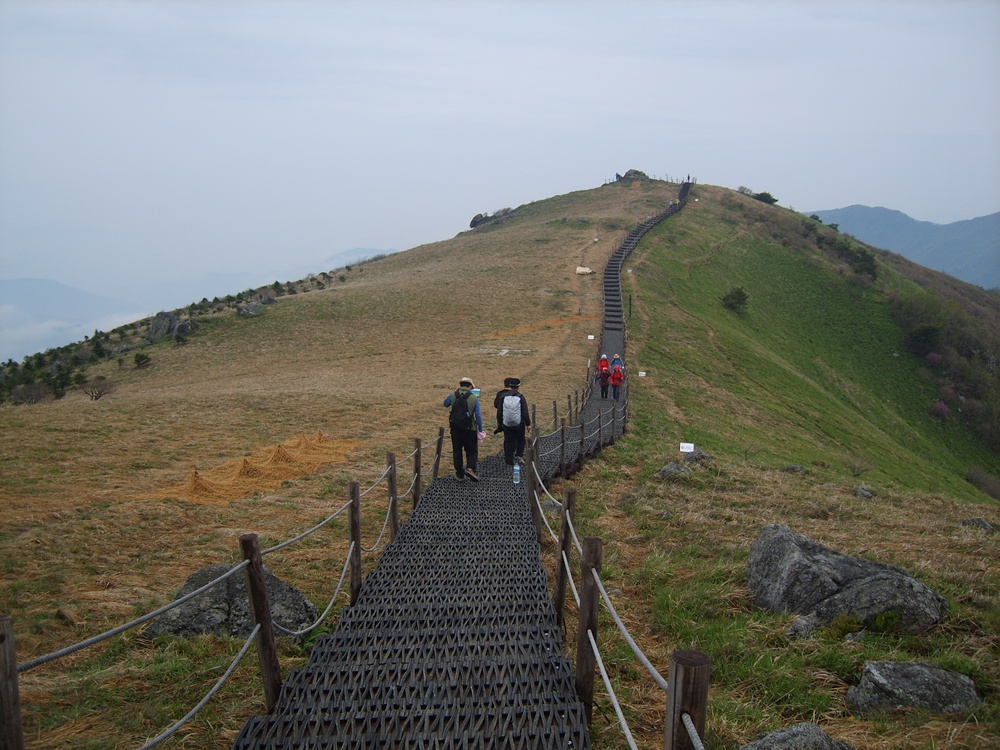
{"points": [[512, 382]]}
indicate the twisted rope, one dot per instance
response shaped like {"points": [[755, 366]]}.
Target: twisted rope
{"points": [[657, 677], [304, 534], [541, 511], [576, 539], [336, 593], [541, 484], [611, 691], [191, 714], [692, 732], [377, 481], [385, 525], [122, 628], [569, 574]]}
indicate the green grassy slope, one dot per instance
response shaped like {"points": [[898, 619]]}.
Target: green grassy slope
{"points": [[813, 373]]}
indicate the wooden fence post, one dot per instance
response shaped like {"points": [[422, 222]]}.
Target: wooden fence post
{"points": [[555, 414], [565, 545], [354, 493], [437, 453], [586, 661], [418, 450], [569, 407], [687, 694], [267, 650], [390, 463], [11, 732], [576, 405]]}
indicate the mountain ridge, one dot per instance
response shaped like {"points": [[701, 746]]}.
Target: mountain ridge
{"points": [[968, 249]]}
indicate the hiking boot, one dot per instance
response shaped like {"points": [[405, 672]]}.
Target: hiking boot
{"points": [[459, 478], [472, 475]]}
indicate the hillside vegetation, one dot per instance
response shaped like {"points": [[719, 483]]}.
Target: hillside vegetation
{"points": [[102, 520]]}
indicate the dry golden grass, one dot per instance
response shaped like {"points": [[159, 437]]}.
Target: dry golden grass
{"points": [[109, 505]]}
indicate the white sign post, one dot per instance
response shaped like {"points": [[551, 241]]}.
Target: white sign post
{"points": [[687, 447]]}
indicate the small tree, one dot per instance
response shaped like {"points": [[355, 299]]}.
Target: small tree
{"points": [[735, 299], [142, 361], [99, 386], [765, 198]]}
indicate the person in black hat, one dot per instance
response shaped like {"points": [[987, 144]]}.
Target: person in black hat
{"points": [[513, 419]]}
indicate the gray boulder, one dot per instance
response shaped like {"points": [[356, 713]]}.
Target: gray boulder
{"points": [[889, 685], [807, 736], [788, 572], [163, 324], [249, 309], [979, 523], [224, 609], [673, 470]]}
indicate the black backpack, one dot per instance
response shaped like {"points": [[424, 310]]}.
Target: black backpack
{"points": [[460, 417]]}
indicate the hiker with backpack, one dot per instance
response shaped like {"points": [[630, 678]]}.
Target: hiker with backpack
{"points": [[513, 419], [617, 378], [466, 422], [604, 378]]}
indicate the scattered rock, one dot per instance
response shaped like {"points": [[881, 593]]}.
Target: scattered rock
{"points": [[889, 685], [551, 506], [225, 608], [795, 469], [788, 572], [981, 523], [249, 309], [673, 471], [698, 457], [584, 270], [267, 299], [666, 515], [863, 490], [807, 736]]}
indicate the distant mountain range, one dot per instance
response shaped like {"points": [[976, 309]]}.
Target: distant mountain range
{"points": [[968, 250], [41, 314]]}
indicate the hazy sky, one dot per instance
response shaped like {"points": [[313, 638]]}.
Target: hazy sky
{"points": [[143, 142]]}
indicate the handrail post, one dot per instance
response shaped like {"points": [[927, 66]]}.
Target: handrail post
{"points": [[586, 661], [390, 462], [354, 493], [534, 420], [576, 404], [11, 731], [555, 414], [437, 453], [569, 407], [418, 451], [600, 429], [687, 693], [562, 448], [267, 650], [565, 545]]}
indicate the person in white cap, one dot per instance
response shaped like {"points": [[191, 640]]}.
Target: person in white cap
{"points": [[466, 422]]}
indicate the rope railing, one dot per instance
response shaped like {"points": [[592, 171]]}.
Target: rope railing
{"points": [[308, 532], [611, 692], [657, 677], [381, 534], [322, 617], [93, 641], [208, 696]]}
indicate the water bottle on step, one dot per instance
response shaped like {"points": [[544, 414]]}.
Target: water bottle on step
{"points": [[517, 473]]}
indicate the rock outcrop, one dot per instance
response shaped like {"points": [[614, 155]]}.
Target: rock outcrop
{"points": [[891, 685], [225, 608], [788, 572]]}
